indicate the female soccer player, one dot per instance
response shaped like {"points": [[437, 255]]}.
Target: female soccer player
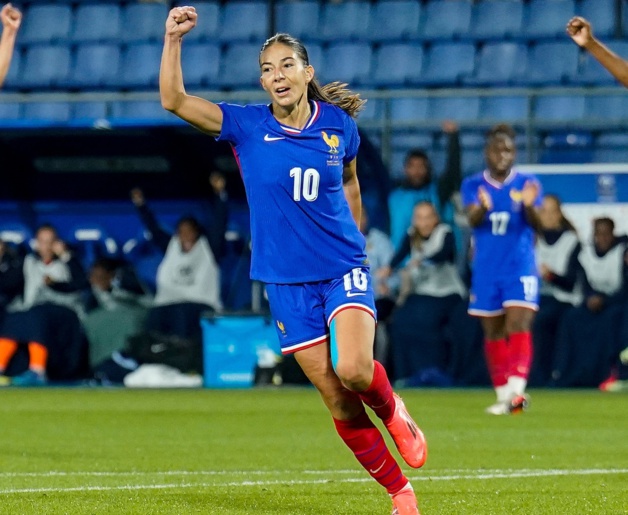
{"points": [[501, 206], [297, 159], [580, 31], [11, 19]]}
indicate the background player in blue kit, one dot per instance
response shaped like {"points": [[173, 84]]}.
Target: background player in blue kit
{"points": [[297, 159], [501, 205], [11, 19]]}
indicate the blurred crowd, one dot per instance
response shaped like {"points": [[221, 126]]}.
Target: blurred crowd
{"points": [[60, 322]]}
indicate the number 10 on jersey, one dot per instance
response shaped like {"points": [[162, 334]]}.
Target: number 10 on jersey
{"points": [[305, 184]]}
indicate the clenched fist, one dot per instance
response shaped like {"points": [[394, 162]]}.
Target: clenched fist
{"points": [[181, 20]]}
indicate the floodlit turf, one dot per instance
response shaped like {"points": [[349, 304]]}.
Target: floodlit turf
{"points": [[68, 451]]}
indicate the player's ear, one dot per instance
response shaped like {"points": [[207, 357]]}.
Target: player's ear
{"points": [[309, 73]]}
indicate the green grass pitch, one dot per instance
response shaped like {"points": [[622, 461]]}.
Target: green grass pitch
{"points": [[274, 451]]}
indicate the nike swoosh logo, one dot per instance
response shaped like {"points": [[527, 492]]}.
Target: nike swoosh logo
{"points": [[272, 138], [351, 294], [375, 471]]}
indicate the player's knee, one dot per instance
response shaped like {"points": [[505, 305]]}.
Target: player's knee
{"points": [[353, 375]]}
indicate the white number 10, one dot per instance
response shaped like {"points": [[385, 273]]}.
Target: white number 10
{"points": [[305, 183]]}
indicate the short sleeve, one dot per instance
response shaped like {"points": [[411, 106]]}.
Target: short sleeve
{"points": [[352, 140], [237, 122], [469, 193]]}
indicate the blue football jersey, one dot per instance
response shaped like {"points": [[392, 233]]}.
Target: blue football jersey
{"points": [[302, 229], [504, 241]]}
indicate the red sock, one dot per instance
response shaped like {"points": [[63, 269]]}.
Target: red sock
{"points": [[367, 443], [497, 360], [7, 350], [38, 357], [520, 354], [379, 395]]}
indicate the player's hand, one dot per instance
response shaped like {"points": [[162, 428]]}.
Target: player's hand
{"points": [[59, 248], [11, 17], [137, 197], [545, 271], [181, 20], [217, 182], [485, 198], [580, 31], [529, 193], [383, 272], [449, 127]]}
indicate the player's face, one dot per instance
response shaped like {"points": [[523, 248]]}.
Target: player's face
{"points": [[550, 214], [188, 236], [500, 154], [424, 219], [603, 237], [284, 76]]}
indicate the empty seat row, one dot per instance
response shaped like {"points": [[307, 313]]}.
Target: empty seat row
{"points": [[603, 110], [387, 65], [313, 20]]}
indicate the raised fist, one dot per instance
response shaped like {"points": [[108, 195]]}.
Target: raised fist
{"points": [[181, 20]]}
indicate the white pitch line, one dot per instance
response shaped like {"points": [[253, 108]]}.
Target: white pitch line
{"points": [[492, 475]]}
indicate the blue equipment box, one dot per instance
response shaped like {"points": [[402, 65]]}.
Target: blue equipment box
{"points": [[231, 346]]}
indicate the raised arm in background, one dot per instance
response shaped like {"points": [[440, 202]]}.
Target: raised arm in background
{"points": [[11, 19]]}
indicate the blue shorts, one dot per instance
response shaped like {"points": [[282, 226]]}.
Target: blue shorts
{"points": [[303, 312], [491, 294]]}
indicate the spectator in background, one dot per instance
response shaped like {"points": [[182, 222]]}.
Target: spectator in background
{"points": [[115, 306], [580, 31], [11, 20], [11, 277], [589, 335], [45, 315], [419, 185], [188, 277], [430, 290], [557, 250], [379, 251]]}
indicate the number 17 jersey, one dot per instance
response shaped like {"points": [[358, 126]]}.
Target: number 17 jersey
{"points": [[302, 229], [504, 241]]}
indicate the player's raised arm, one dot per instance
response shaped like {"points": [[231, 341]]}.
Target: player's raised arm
{"points": [[580, 31], [11, 20], [199, 112]]}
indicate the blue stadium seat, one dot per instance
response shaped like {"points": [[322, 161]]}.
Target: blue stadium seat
{"points": [[46, 23], [397, 64], [16, 234], [547, 18], [601, 14], [394, 20], [201, 64], [347, 62], [496, 19], [97, 22], [407, 140], [139, 66], [606, 108], [47, 111], [244, 21], [461, 109], [373, 110], [593, 73], [91, 241], [404, 110], [144, 22], [315, 54], [45, 66], [446, 64], [503, 109], [611, 147], [147, 111], [446, 20], [551, 63], [499, 64], [345, 20], [95, 66], [567, 147], [207, 24], [472, 161], [10, 111], [560, 108], [239, 67], [299, 19], [89, 110]]}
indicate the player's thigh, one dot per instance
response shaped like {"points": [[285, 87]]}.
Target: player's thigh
{"points": [[485, 297], [521, 302]]}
